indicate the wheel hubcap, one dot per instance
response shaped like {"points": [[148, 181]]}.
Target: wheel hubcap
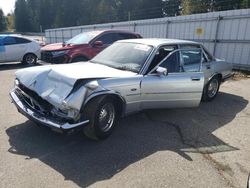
{"points": [[213, 88], [106, 117], [30, 59]]}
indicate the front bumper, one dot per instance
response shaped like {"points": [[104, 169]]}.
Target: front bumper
{"points": [[47, 56], [39, 118]]}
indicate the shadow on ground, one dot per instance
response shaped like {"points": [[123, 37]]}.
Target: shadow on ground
{"points": [[86, 162], [15, 65]]}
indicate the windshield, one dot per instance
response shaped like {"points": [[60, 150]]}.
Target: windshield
{"points": [[124, 56], [82, 38]]}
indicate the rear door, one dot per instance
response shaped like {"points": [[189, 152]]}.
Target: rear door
{"points": [[182, 87], [2, 51], [13, 50]]}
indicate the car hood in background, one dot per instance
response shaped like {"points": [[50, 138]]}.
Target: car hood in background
{"points": [[55, 82], [58, 47]]}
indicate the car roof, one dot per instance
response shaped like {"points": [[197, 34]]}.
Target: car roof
{"points": [[11, 35], [97, 32], [159, 41]]}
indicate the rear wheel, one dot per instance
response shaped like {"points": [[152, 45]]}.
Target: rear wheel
{"points": [[102, 113], [30, 59], [210, 91]]}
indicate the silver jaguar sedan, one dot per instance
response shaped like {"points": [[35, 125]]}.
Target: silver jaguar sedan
{"points": [[127, 77]]}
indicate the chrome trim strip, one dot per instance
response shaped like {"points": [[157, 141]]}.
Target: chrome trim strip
{"points": [[162, 93], [29, 113]]}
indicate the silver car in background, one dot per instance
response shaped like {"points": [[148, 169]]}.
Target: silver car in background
{"points": [[127, 77]]}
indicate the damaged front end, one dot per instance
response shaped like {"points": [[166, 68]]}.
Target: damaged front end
{"points": [[65, 116]]}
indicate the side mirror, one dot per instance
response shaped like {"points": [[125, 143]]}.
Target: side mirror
{"points": [[98, 43], [162, 71]]}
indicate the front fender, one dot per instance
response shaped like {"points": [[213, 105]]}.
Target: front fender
{"points": [[105, 93]]}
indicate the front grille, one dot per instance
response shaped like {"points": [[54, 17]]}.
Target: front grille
{"points": [[33, 99], [39, 105], [47, 56]]}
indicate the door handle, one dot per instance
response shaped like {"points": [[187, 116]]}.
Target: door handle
{"points": [[195, 78], [208, 67]]}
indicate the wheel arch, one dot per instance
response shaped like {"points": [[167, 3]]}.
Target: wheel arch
{"points": [[27, 53], [215, 74], [116, 97]]}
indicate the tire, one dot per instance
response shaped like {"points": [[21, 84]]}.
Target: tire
{"points": [[78, 59], [102, 113], [248, 181], [211, 89], [29, 59]]}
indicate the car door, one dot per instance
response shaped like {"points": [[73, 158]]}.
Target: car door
{"points": [[181, 87], [2, 51], [13, 50], [207, 59]]}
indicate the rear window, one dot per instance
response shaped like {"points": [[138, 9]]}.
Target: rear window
{"points": [[127, 36], [9, 41], [82, 38], [21, 40]]}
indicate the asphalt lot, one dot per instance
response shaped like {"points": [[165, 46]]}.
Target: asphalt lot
{"points": [[206, 146]]}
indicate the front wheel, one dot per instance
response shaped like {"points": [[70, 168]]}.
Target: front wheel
{"points": [[102, 114], [211, 89]]}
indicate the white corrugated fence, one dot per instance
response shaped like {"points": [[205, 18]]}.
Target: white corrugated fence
{"points": [[226, 34]]}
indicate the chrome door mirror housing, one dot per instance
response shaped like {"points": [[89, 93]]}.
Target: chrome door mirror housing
{"points": [[162, 71]]}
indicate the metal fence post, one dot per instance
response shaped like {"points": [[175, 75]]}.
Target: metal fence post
{"points": [[49, 37], [167, 25], [71, 34], [216, 33], [56, 35], [62, 36], [134, 26]]}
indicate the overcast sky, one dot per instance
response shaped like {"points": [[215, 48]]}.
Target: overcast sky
{"points": [[7, 5]]}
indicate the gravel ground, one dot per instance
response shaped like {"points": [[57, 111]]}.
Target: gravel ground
{"points": [[206, 146]]}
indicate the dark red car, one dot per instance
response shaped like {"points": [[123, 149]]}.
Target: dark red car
{"points": [[83, 46]]}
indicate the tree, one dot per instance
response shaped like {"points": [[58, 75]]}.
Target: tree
{"points": [[171, 7], [23, 23], [195, 6], [2, 21], [10, 21], [148, 9], [220, 5]]}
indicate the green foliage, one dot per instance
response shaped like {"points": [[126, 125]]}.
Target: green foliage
{"points": [[3, 25], [30, 15], [10, 21]]}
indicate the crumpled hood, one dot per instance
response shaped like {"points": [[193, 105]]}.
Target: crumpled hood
{"points": [[55, 82]]}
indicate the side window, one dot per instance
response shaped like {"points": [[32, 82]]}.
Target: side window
{"points": [[9, 41], [21, 40], [172, 63], [208, 55], [191, 60], [126, 36], [163, 52], [107, 39], [194, 46]]}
